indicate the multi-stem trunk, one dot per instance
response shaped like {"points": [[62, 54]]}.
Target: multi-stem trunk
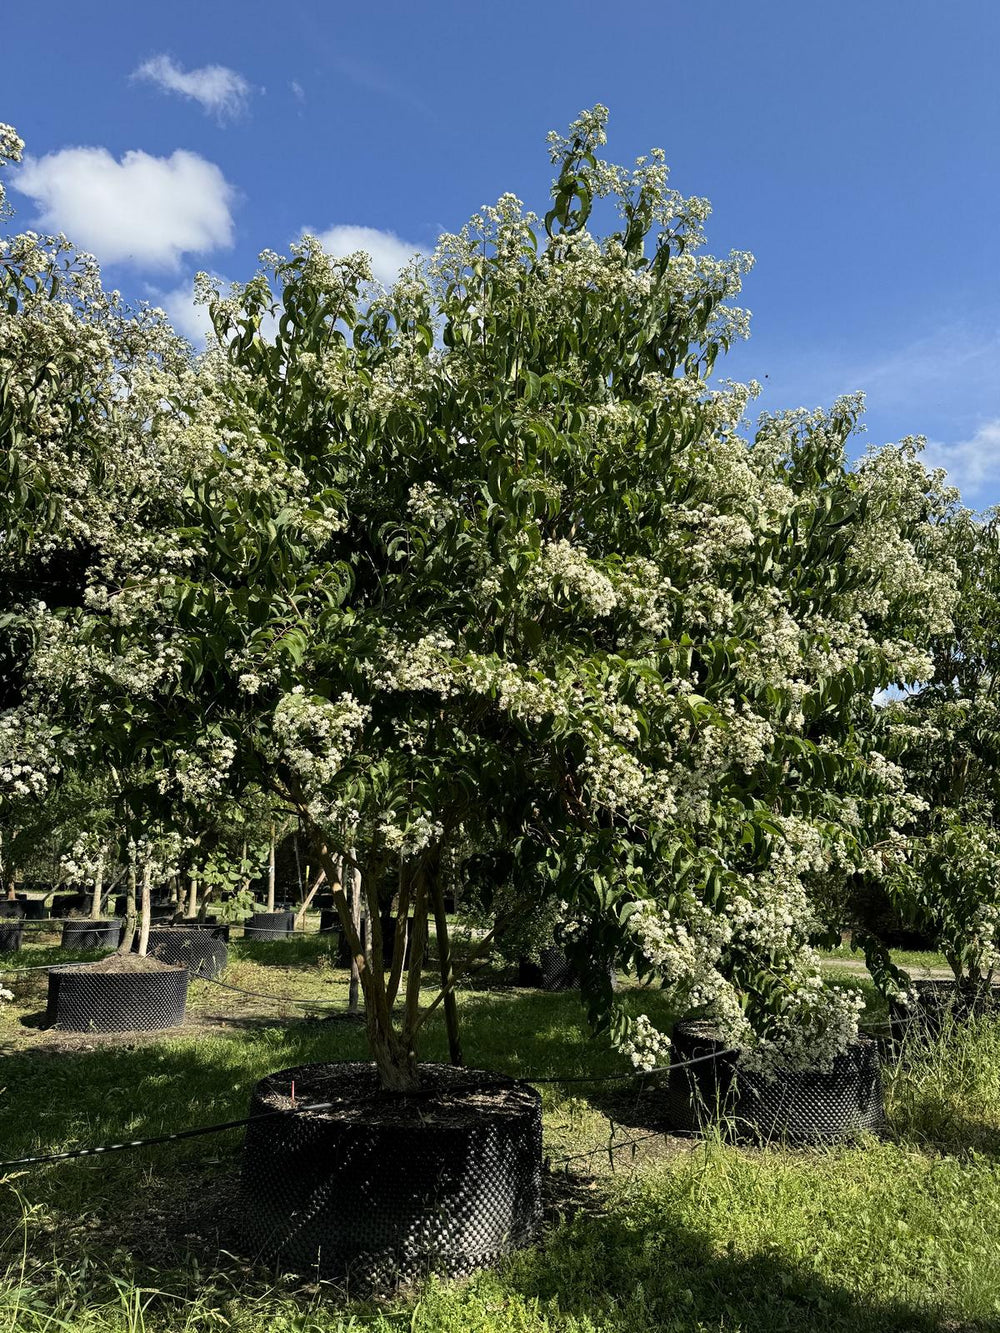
{"points": [[394, 1057]]}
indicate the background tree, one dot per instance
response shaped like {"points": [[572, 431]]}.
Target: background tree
{"points": [[946, 735]]}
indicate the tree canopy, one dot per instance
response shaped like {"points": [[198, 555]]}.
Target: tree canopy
{"points": [[484, 567]]}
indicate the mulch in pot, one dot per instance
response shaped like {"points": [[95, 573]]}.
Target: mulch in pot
{"points": [[382, 1188]]}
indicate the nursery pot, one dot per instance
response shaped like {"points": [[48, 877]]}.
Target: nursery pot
{"points": [[82, 1000], [802, 1106], [382, 1187], [937, 1003], [34, 908], [329, 921], [269, 926], [91, 934], [12, 934], [202, 950], [388, 942], [552, 972], [64, 903]]}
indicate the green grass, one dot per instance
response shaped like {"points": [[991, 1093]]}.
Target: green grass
{"points": [[894, 1235]]}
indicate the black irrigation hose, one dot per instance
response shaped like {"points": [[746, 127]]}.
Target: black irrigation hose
{"points": [[160, 1138], [315, 1106]]}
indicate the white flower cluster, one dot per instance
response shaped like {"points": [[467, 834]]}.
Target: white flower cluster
{"points": [[425, 665], [645, 1045], [418, 832], [428, 505], [563, 572], [200, 773], [32, 752], [316, 735]]}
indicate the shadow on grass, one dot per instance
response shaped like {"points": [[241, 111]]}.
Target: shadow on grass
{"points": [[643, 1267]]}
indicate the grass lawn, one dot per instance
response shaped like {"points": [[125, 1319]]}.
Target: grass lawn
{"points": [[662, 1234]]}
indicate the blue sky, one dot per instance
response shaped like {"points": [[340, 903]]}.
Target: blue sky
{"points": [[853, 147]]}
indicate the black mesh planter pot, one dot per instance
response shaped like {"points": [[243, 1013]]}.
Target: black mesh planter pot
{"points": [[34, 908], [806, 1106], [82, 1000], [11, 929], [388, 942], [384, 1188], [269, 926], [938, 1003], [91, 934], [202, 951], [64, 903], [329, 921], [552, 972]]}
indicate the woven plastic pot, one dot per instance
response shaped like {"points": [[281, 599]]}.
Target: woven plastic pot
{"points": [[91, 934], [201, 950], [384, 1188], [269, 926], [12, 934], [34, 908], [938, 1003], [807, 1106], [388, 942], [329, 921], [84, 1001], [64, 903], [552, 972]]}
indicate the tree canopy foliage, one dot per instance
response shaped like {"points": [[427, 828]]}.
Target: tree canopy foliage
{"points": [[483, 569]]}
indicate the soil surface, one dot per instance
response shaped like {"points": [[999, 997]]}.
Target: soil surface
{"points": [[459, 1097], [122, 963]]}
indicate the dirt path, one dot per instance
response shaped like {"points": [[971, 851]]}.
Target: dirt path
{"points": [[858, 969]]}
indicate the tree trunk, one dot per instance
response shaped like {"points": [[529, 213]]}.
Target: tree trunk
{"points": [[447, 976], [354, 892], [147, 878], [192, 903], [97, 899], [128, 935], [418, 946], [270, 873]]}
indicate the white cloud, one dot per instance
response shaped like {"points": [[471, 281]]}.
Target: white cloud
{"points": [[973, 465], [298, 92], [143, 210], [388, 252], [185, 316], [218, 90]]}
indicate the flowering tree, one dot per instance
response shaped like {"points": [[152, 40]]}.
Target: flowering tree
{"points": [[946, 736], [482, 562]]}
